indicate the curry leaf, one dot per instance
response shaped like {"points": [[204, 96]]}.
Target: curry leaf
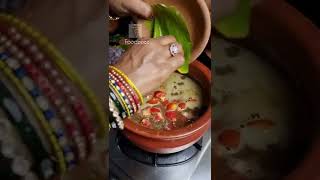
{"points": [[168, 21], [237, 24]]}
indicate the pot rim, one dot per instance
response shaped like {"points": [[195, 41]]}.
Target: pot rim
{"points": [[205, 15], [203, 120], [307, 36], [293, 24], [207, 26]]}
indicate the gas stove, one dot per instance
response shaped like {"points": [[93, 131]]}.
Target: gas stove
{"points": [[128, 162]]}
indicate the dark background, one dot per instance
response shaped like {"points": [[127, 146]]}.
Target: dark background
{"points": [[310, 8]]}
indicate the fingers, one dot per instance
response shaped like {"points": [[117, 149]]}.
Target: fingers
{"points": [[139, 7], [176, 61]]}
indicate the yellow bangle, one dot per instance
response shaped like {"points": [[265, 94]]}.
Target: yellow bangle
{"points": [[65, 66], [44, 124], [129, 82], [122, 101]]}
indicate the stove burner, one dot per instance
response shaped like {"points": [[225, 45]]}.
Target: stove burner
{"points": [[158, 160]]}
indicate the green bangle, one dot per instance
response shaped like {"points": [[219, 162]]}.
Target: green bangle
{"points": [[114, 98], [114, 111], [44, 166]]}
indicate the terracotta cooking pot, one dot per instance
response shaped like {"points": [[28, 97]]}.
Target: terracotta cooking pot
{"points": [[197, 16], [175, 140], [289, 40]]}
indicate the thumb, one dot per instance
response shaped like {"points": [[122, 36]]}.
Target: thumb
{"points": [[140, 8]]}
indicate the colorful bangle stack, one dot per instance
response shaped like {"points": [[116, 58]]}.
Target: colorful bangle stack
{"points": [[55, 97], [129, 84], [14, 152], [54, 93], [124, 98], [19, 74], [52, 73], [43, 163], [58, 60], [37, 111], [43, 105]]}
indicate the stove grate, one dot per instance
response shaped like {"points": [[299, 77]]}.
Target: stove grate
{"points": [[157, 160]]}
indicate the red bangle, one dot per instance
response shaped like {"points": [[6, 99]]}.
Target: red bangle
{"points": [[132, 92], [31, 49], [126, 91], [43, 83], [119, 83]]}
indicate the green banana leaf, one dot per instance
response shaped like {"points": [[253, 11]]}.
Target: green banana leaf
{"points": [[168, 21], [237, 24], [157, 31]]}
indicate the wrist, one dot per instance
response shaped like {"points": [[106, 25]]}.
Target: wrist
{"points": [[124, 98]]}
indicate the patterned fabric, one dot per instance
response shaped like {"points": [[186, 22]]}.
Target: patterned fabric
{"points": [[114, 54]]}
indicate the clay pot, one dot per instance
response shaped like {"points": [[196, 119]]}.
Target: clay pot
{"points": [[290, 41], [296, 42], [197, 16], [175, 140]]}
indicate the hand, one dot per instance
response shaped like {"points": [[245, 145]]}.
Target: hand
{"points": [[130, 7], [149, 65]]}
